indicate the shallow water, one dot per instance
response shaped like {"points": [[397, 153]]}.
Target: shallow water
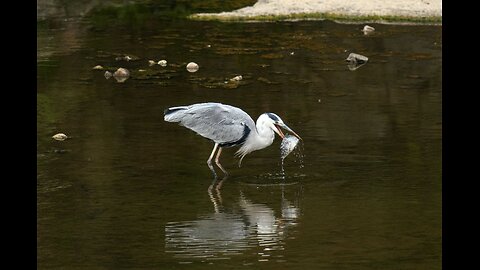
{"points": [[128, 190]]}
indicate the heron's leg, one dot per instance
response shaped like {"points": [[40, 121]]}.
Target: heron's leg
{"points": [[217, 161], [209, 161]]}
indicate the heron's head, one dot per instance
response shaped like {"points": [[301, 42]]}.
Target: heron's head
{"points": [[276, 123]]}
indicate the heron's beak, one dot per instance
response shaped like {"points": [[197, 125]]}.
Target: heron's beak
{"points": [[288, 129], [279, 131]]}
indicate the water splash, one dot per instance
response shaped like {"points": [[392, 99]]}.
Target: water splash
{"points": [[290, 144], [299, 153]]}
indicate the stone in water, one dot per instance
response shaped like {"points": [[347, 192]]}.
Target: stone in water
{"points": [[107, 74], [162, 63], [121, 72], [60, 137], [121, 75], [288, 144], [355, 58], [368, 29], [236, 78], [192, 67]]}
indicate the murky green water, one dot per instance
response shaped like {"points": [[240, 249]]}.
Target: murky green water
{"points": [[130, 191]]}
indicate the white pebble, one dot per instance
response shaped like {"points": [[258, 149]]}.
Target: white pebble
{"points": [[121, 72], [60, 137], [236, 78], [368, 29], [356, 58], [162, 63], [192, 67]]}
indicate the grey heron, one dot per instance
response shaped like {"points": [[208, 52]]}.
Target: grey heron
{"points": [[228, 126]]}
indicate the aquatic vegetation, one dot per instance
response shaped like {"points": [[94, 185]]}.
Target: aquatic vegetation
{"points": [[324, 16]]}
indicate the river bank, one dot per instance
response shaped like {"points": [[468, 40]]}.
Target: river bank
{"points": [[388, 11]]}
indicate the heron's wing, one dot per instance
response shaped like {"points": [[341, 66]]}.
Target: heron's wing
{"points": [[223, 124]]}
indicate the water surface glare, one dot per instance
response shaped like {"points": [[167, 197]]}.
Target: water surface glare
{"points": [[127, 190]]}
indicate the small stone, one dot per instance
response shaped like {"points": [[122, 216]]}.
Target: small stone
{"points": [[60, 137], [192, 67], [236, 78], [98, 67], [121, 72], [162, 63], [367, 29], [107, 74], [151, 62], [356, 58]]}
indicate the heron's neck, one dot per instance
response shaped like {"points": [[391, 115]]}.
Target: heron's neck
{"points": [[260, 138], [264, 136]]}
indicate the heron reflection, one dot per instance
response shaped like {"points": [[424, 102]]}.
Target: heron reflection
{"points": [[226, 232]]}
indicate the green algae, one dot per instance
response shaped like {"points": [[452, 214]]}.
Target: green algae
{"points": [[323, 16]]}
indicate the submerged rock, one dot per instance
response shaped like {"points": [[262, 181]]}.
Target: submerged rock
{"points": [[97, 67], [353, 67], [267, 81], [192, 67], [151, 62], [162, 63], [126, 58]]}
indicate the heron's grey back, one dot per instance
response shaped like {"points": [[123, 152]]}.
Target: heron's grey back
{"points": [[223, 124]]}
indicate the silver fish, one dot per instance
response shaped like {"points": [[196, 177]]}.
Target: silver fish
{"points": [[289, 143]]}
